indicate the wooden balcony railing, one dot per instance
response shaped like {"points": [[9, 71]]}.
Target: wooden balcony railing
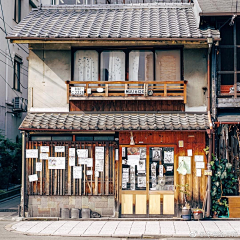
{"points": [[127, 90]]}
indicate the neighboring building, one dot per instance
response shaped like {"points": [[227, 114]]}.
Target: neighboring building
{"points": [[118, 106], [13, 68], [224, 15]]}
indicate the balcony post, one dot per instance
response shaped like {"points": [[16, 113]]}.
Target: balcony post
{"points": [[185, 91], [165, 90], [67, 82]]}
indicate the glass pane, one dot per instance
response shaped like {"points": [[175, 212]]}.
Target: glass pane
{"points": [[161, 169], [226, 34], [227, 60], [62, 138], [140, 66], [113, 66], [227, 79], [103, 138], [40, 138], [168, 66], [84, 138], [86, 65], [238, 57], [134, 168]]}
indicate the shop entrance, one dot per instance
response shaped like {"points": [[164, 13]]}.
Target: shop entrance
{"points": [[147, 181]]}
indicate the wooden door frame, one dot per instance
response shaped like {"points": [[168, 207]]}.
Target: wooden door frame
{"points": [[147, 191]]}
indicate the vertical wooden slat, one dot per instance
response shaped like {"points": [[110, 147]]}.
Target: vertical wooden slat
{"points": [[41, 173], [47, 173], [96, 178], [91, 156], [106, 169], [55, 174], [165, 90], [185, 92]]}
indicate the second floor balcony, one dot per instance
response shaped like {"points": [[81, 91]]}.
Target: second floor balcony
{"points": [[127, 90]]}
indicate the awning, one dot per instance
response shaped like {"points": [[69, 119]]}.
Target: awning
{"points": [[113, 121], [143, 21]]}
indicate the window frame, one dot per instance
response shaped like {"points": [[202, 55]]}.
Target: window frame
{"points": [[17, 73], [127, 50]]}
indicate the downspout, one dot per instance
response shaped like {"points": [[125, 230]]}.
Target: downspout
{"points": [[209, 131], [23, 189]]}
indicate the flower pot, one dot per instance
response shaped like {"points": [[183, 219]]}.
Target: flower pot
{"points": [[197, 214], [186, 217]]}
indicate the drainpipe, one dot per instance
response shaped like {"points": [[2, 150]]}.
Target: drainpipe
{"points": [[23, 189], [209, 131]]}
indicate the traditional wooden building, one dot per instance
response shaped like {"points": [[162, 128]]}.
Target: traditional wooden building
{"points": [[118, 108], [225, 99]]}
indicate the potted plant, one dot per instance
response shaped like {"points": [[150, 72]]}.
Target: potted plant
{"points": [[197, 214], [186, 209]]}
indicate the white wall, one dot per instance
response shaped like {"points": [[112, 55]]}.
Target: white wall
{"points": [[195, 72], [8, 123], [47, 80]]}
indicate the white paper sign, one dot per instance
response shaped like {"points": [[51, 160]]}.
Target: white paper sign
{"points": [[168, 157], [31, 153], [44, 156], [199, 172], [82, 153], [160, 170], [33, 178], [56, 163], [77, 90], [169, 168], [141, 166], [116, 154], [71, 152], [198, 158], [89, 172], [123, 152], [184, 163], [99, 153], [96, 174], [82, 161], [89, 162], [38, 166], [200, 164], [59, 149], [71, 161], [44, 149], [189, 152], [99, 164], [77, 172]]}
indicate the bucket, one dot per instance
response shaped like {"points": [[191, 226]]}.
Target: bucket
{"points": [[186, 217]]}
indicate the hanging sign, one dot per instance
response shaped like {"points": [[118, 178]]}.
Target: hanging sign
{"points": [[31, 153], [44, 149], [134, 91], [77, 91]]}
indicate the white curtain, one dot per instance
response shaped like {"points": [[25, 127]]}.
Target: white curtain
{"points": [[116, 66], [133, 65], [86, 65]]}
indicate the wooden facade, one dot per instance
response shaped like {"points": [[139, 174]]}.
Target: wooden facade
{"points": [[147, 203]]}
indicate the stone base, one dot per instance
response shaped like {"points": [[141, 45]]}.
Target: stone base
{"points": [[49, 206]]}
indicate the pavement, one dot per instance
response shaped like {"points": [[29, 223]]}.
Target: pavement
{"points": [[129, 229]]}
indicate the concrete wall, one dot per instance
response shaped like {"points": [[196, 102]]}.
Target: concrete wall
{"points": [[9, 122], [195, 72], [49, 206], [48, 71]]}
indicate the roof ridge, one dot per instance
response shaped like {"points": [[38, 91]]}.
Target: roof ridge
{"points": [[118, 6]]}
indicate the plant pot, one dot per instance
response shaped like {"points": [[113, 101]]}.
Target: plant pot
{"points": [[186, 217], [197, 215], [186, 211]]}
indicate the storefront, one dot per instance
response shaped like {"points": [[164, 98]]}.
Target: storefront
{"points": [[121, 173]]}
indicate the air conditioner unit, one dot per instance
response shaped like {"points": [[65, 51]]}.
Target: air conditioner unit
{"points": [[20, 104]]}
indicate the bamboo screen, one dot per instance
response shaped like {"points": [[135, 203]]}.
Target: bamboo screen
{"points": [[61, 181]]}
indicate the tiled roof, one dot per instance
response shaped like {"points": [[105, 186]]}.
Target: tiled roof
{"points": [[114, 121], [218, 6], [112, 21]]}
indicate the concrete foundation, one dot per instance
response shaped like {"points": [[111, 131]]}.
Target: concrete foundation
{"points": [[49, 206]]}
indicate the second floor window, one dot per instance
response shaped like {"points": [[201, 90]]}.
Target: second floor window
{"points": [[112, 66], [128, 65], [17, 11], [16, 73]]}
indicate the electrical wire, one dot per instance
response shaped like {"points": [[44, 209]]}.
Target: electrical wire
{"points": [[8, 84], [18, 77]]}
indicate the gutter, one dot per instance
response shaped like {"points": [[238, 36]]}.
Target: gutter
{"points": [[108, 39], [209, 131]]}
